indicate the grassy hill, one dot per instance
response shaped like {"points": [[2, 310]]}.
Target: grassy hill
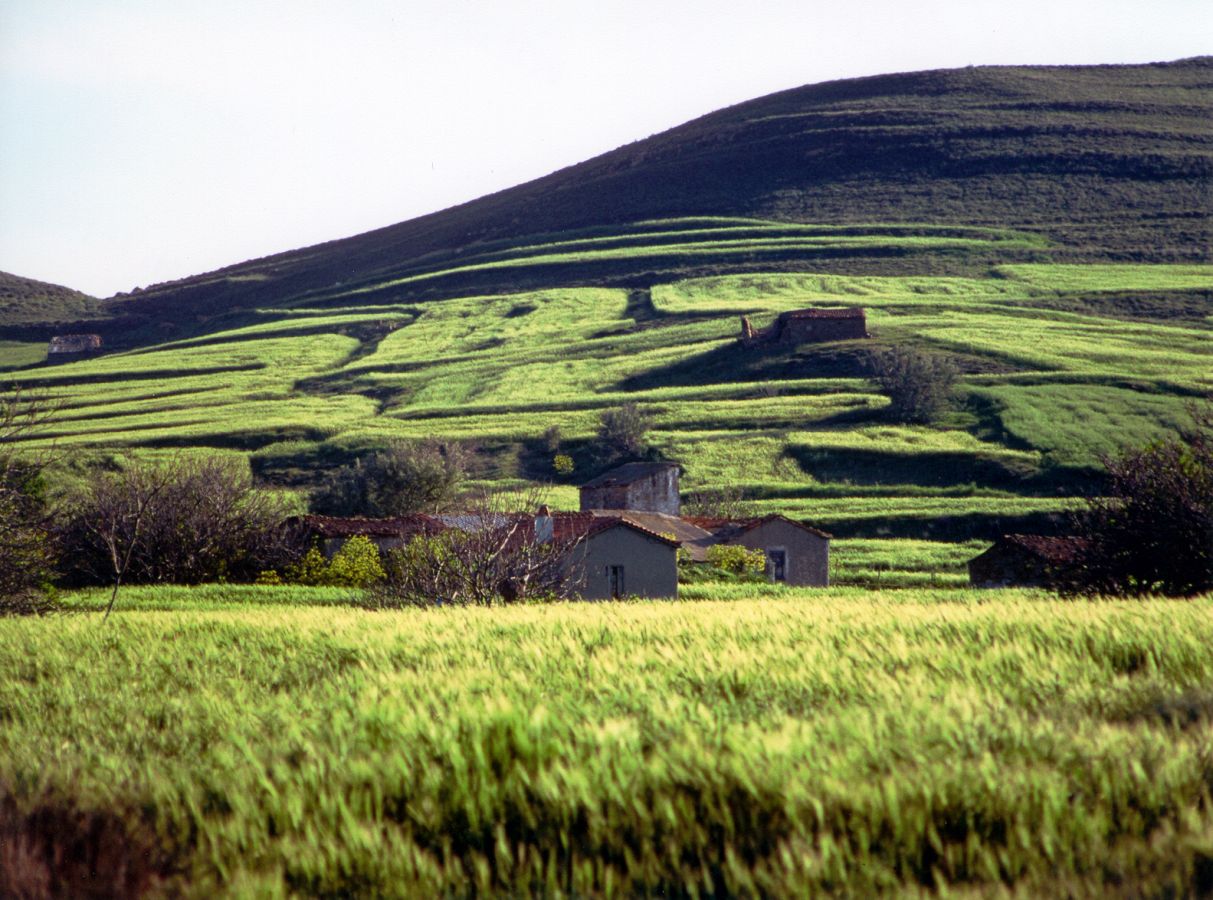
{"points": [[1046, 228], [1105, 162], [26, 309]]}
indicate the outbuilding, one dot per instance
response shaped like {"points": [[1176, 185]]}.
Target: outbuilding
{"points": [[1024, 560]]}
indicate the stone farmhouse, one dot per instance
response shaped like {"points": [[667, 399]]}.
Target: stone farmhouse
{"points": [[608, 556], [75, 343], [801, 326], [647, 494], [1024, 560], [624, 541]]}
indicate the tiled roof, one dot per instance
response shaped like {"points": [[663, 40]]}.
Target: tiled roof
{"points": [[628, 473], [1049, 549], [727, 529], [693, 538], [342, 526], [580, 525], [846, 312]]}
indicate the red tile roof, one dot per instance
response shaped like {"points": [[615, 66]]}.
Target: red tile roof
{"points": [[1050, 549]]}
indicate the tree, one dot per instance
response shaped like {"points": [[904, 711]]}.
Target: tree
{"points": [[494, 555], [27, 550], [917, 384], [622, 432], [402, 478], [185, 521], [1152, 532]]}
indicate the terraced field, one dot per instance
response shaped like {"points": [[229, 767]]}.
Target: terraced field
{"points": [[1059, 366]]}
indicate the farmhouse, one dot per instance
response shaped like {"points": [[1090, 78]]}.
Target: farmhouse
{"points": [[611, 556], [75, 343], [623, 542], [797, 554], [1024, 560], [801, 326], [646, 494], [607, 556], [386, 534]]}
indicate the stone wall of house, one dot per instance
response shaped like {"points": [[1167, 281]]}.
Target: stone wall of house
{"points": [[649, 565], [655, 492], [807, 554]]}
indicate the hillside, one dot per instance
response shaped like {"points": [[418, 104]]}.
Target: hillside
{"points": [[1067, 278], [1109, 163], [26, 309]]}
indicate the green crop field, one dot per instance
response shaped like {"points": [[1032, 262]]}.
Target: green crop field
{"points": [[276, 742], [1051, 379]]}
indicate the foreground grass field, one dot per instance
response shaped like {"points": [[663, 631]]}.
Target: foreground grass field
{"points": [[270, 742]]}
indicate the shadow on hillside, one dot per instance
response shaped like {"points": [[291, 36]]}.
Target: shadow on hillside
{"points": [[734, 362]]}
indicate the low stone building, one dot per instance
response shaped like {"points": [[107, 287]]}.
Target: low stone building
{"points": [[75, 343], [612, 557], [386, 534], [797, 554], [638, 486], [1024, 560], [801, 326], [605, 556]]}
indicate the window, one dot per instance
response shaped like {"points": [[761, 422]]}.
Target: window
{"points": [[777, 564], [615, 580]]}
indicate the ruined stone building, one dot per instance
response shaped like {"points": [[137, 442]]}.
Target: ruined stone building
{"points": [[800, 326], [637, 486], [75, 343]]}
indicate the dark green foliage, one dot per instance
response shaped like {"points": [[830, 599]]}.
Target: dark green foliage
{"points": [[27, 551], [404, 477], [1152, 533], [23, 300], [187, 521], [623, 431], [918, 384]]}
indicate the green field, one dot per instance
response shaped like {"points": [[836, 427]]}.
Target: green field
{"points": [[276, 742], [1051, 378]]}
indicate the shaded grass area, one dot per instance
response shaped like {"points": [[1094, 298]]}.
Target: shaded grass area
{"points": [[757, 740]]}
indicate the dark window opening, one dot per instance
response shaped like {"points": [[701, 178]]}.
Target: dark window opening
{"points": [[777, 564], [615, 579]]}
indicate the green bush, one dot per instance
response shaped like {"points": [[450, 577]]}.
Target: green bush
{"points": [[736, 559], [356, 564], [919, 385], [562, 463]]}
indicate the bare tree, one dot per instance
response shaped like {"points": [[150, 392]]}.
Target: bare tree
{"points": [[487, 555], [185, 521]]}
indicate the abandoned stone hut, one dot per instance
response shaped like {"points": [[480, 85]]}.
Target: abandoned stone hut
{"points": [[800, 326], [75, 343], [636, 486], [1024, 560]]}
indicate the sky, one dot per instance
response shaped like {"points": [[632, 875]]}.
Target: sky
{"points": [[145, 140]]}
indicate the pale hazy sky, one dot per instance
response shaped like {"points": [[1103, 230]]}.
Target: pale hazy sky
{"points": [[143, 140]]}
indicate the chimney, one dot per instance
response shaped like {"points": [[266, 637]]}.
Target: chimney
{"points": [[544, 526]]}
